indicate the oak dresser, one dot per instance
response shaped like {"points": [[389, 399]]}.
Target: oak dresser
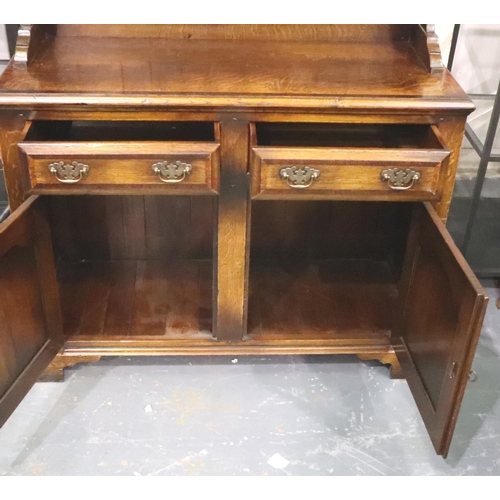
{"points": [[234, 189]]}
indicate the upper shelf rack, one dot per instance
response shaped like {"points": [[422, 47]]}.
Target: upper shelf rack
{"points": [[356, 68], [31, 37]]}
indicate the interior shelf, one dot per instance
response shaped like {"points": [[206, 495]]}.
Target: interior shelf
{"points": [[328, 299], [325, 271], [137, 298], [134, 266]]}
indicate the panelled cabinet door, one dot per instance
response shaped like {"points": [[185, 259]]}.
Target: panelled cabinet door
{"points": [[30, 317], [441, 312]]}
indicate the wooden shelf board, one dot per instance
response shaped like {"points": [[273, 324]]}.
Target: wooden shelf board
{"points": [[137, 298], [235, 69], [148, 307], [330, 299]]}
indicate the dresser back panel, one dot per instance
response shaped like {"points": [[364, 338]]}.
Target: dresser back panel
{"points": [[338, 32], [132, 227], [308, 230]]}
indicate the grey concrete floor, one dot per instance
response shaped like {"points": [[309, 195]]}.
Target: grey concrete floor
{"points": [[288, 415]]}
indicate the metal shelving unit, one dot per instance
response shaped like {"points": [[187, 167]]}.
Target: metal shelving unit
{"points": [[487, 156]]}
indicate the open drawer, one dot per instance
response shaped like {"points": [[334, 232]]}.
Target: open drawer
{"points": [[79, 157], [347, 161]]}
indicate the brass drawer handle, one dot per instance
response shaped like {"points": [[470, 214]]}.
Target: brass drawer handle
{"points": [[299, 178], [399, 179], [69, 173], [172, 172]]}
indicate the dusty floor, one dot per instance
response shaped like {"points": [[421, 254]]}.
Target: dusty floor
{"points": [[258, 416]]}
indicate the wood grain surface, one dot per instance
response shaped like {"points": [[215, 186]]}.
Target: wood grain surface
{"points": [[13, 129], [106, 228], [137, 298], [233, 222], [452, 130], [344, 174], [30, 321], [341, 299], [315, 271], [441, 310], [124, 65], [324, 32], [350, 160], [121, 167], [110, 71]]}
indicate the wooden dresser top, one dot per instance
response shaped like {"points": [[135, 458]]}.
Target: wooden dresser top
{"points": [[325, 67]]}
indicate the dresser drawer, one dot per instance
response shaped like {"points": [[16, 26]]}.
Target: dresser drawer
{"points": [[330, 161], [85, 160]]}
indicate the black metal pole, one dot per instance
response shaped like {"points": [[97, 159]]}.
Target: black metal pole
{"points": [[453, 48], [12, 37], [481, 172]]}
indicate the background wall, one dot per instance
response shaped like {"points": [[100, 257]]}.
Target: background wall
{"points": [[4, 49], [445, 34], [477, 59], [477, 69]]}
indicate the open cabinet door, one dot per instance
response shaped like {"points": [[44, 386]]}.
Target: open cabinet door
{"points": [[30, 316], [441, 312]]}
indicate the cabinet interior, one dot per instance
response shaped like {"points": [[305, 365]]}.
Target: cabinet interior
{"points": [[105, 130], [142, 266], [325, 269], [134, 266], [340, 135]]}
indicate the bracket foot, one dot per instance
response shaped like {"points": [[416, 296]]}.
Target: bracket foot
{"points": [[55, 371], [386, 358]]}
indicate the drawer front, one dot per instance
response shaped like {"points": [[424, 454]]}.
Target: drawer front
{"points": [[347, 161], [108, 167], [323, 173]]}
